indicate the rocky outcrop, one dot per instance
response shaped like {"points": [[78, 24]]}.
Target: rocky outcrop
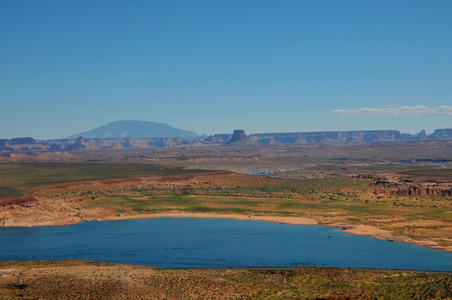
{"points": [[76, 144], [409, 187], [129, 143], [422, 135], [22, 141], [22, 144], [327, 137], [238, 136], [441, 134], [12, 203], [217, 139], [93, 144], [332, 137]]}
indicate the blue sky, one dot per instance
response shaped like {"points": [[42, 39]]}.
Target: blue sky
{"points": [[215, 66]]}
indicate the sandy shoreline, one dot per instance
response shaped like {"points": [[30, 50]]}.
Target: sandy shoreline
{"points": [[360, 229], [274, 219], [366, 230]]}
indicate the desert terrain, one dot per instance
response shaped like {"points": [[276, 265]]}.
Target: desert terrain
{"points": [[98, 280], [399, 191], [394, 191]]}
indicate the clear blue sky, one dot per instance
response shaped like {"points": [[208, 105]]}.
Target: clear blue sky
{"points": [[214, 66]]}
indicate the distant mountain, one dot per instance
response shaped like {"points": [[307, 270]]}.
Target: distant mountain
{"points": [[135, 129]]}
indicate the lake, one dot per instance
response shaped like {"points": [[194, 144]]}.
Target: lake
{"points": [[194, 243]]}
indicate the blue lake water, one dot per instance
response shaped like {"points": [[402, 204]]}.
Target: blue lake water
{"points": [[190, 242]]}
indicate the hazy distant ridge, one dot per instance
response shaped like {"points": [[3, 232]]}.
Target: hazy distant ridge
{"points": [[135, 129], [327, 137], [239, 138]]}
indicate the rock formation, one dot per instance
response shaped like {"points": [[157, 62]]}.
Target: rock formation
{"points": [[441, 134], [238, 136], [390, 184], [217, 139], [327, 137]]}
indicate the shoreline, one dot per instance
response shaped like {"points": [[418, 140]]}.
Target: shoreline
{"points": [[83, 279], [360, 230], [273, 219]]}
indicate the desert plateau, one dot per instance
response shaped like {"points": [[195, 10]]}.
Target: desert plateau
{"points": [[396, 191]]}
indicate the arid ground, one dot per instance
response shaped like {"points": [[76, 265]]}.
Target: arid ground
{"points": [[96, 280], [394, 191]]}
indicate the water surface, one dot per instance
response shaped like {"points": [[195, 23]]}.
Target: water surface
{"points": [[190, 242]]}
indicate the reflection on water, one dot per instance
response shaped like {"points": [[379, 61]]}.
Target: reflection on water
{"points": [[188, 242]]}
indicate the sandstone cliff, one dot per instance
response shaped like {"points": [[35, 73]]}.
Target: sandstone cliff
{"points": [[399, 185], [237, 138], [328, 137], [98, 143], [441, 134]]}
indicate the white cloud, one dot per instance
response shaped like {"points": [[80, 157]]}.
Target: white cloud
{"points": [[409, 111]]}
